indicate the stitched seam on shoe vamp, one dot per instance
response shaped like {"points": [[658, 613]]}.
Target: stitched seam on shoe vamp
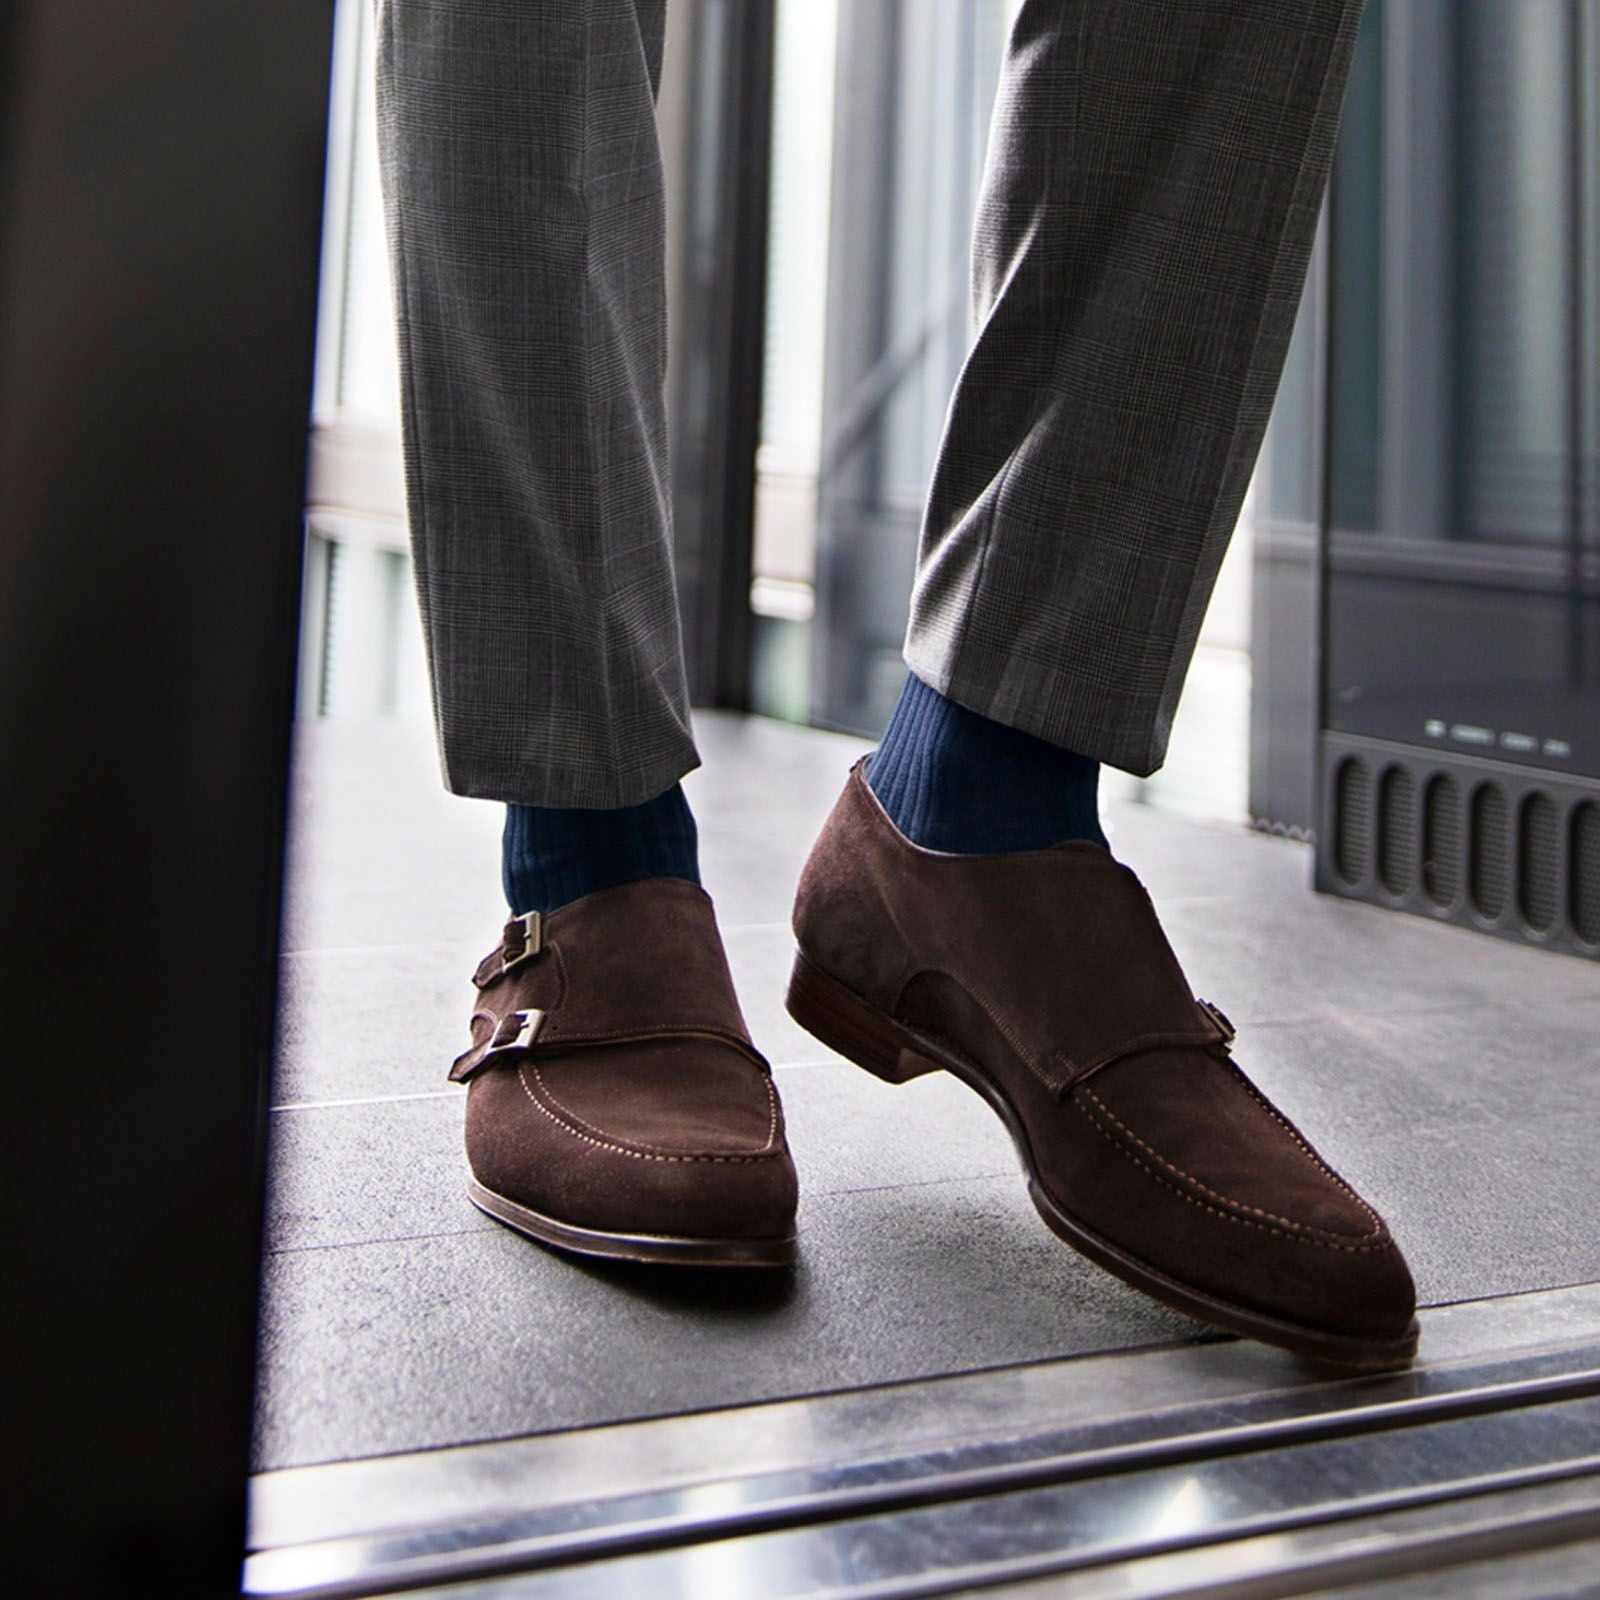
{"points": [[610, 1144], [772, 1117], [1297, 1229], [1298, 1237], [1310, 1154], [1189, 1177], [599, 1133]]}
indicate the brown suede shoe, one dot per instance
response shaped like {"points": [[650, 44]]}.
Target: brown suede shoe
{"points": [[616, 1106], [1043, 981]]}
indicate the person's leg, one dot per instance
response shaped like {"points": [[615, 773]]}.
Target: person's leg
{"points": [[527, 235], [1155, 173], [615, 1103], [1154, 178]]}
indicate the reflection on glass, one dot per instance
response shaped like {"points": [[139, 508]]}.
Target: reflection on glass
{"points": [[1464, 558]]}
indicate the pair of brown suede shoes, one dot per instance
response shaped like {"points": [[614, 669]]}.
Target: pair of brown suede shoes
{"points": [[618, 1108]]}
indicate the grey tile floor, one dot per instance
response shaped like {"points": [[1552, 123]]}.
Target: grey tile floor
{"points": [[1454, 1078]]}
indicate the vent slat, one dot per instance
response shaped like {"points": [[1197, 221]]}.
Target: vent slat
{"points": [[1489, 869], [1352, 843], [1397, 830], [1441, 841], [1583, 887], [1539, 862]]}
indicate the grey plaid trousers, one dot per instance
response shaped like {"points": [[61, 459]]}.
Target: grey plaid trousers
{"points": [[1154, 175]]}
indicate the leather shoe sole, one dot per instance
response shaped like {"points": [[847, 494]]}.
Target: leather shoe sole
{"points": [[662, 1249]]}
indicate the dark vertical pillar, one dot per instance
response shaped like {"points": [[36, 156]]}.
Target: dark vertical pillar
{"points": [[717, 336], [161, 171]]}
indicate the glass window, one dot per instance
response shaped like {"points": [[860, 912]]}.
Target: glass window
{"points": [[1463, 594]]}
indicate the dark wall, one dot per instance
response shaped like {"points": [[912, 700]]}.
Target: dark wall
{"points": [[160, 199]]}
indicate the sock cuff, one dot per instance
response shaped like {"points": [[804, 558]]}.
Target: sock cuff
{"points": [[552, 855], [953, 779]]}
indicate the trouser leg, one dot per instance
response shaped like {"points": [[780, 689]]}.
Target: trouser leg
{"points": [[523, 188], [1154, 177]]}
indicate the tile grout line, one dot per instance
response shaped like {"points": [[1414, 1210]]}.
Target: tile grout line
{"points": [[487, 1227], [457, 1093], [833, 1059], [288, 952], [921, 1183], [1442, 1008], [492, 1227], [368, 1100]]}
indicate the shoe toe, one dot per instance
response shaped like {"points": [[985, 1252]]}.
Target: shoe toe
{"points": [[1198, 1175], [707, 1198], [624, 1140], [1365, 1295]]}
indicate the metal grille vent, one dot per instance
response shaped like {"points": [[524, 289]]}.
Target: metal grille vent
{"points": [[1489, 869], [1352, 844], [1397, 830], [1585, 870], [1492, 845], [1539, 862], [1441, 841]]}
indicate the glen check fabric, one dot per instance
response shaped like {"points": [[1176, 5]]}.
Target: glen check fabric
{"points": [[523, 189], [1154, 177]]}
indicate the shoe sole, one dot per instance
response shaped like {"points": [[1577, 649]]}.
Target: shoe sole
{"points": [[656, 1248], [889, 1050]]}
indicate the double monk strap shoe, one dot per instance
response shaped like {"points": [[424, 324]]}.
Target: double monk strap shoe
{"points": [[615, 1104], [1043, 980]]}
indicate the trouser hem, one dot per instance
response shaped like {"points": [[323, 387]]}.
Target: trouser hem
{"points": [[575, 785], [1051, 704]]}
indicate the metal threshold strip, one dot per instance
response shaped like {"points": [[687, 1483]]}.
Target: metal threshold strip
{"points": [[1101, 1472]]}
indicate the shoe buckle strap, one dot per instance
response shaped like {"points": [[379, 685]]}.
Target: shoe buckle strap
{"points": [[1217, 1030], [513, 1033], [518, 1031]]}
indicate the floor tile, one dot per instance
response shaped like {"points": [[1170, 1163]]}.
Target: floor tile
{"points": [[354, 1174], [1292, 956], [355, 1023], [417, 1343]]}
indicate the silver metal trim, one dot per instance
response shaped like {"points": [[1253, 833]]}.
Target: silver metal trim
{"points": [[996, 1537], [299, 1505], [1359, 1427], [1456, 1541]]}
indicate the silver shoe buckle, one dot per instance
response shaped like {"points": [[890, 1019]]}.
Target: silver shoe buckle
{"points": [[529, 930], [528, 1023], [1219, 1017]]}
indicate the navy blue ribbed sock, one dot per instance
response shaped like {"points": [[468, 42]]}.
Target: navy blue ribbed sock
{"points": [[955, 781], [551, 855]]}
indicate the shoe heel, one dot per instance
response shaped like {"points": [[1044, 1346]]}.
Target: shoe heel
{"points": [[844, 1022]]}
